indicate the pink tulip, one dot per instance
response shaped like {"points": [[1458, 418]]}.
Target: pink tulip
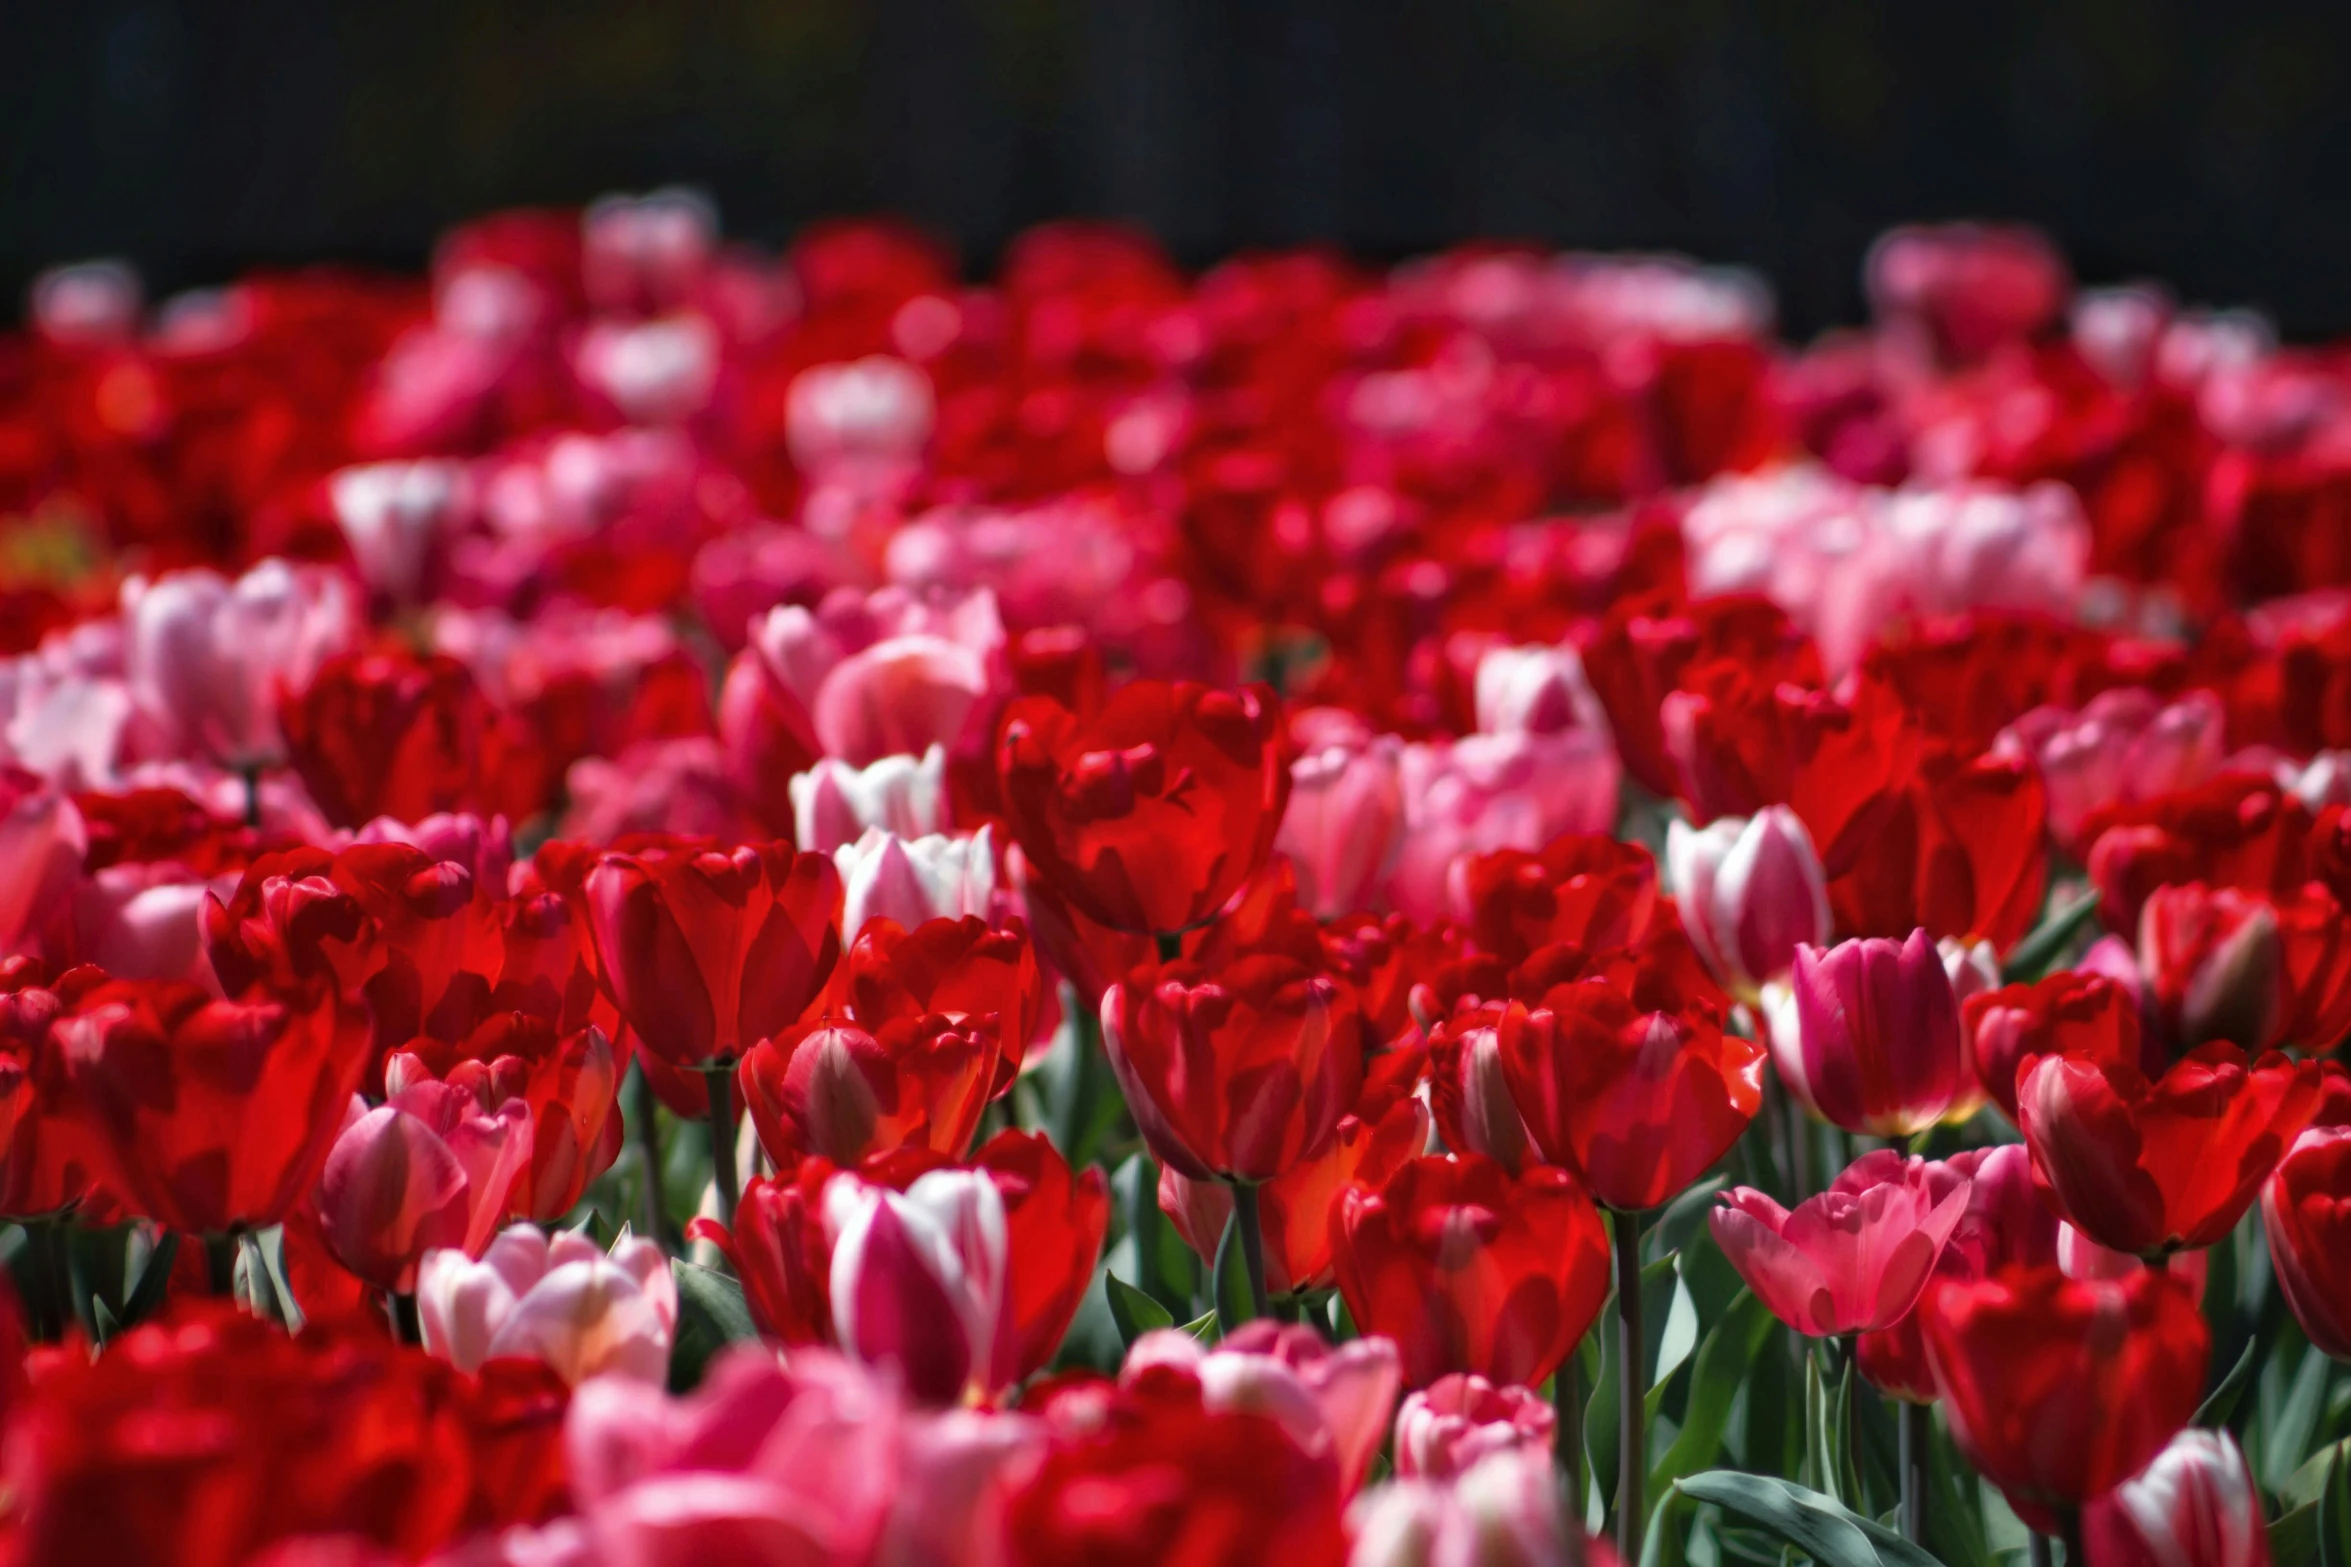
{"points": [[1751, 892], [1446, 1427], [208, 659], [1503, 1511], [2124, 745], [144, 920], [1973, 967], [1534, 691], [654, 372], [1482, 792], [562, 1302], [641, 253], [2195, 1506], [1333, 1401], [940, 877], [918, 1281], [1852, 1259], [676, 786], [833, 803], [864, 424], [1874, 1046], [397, 517], [1345, 823], [42, 842], [429, 1168]]}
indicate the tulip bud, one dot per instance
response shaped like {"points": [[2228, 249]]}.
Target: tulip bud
{"points": [[1446, 1427], [1751, 893], [833, 804], [2194, 1506], [2306, 1211], [919, 1281], [1876, 1046], [1330, 1401], [2215, 965]]}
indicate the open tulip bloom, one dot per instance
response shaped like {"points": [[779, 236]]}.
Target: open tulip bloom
{"points": [[667, 905]]}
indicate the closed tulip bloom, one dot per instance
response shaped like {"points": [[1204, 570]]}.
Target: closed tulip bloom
{"points": [[940, 877], [1637, 1095], [830, 1088], [569, 1082], [1333, 1402], [1444, 1428], [834, 803], [376, 734], [708, 951], [2059, 1389], [2306, 1212], [563, 1302], [1240, 1074], [1149, 813], [208, 659], [2215, 967], [429, 1168], [1876, 1046], [1469, 1268], [2195, 1506], [1345, 823], [918, 1281], [2150, 1166], [1751, 893], [1468, 1091], [1852, 1259], [2086, 1016]]}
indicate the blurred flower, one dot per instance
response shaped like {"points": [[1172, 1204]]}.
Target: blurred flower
{"points": [[562, 1302]]}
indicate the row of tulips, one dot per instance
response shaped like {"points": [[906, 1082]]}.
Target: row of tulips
{"points": [[658, 905]]}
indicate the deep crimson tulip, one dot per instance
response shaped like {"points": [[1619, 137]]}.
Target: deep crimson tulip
{"points": [[289, 924], [53, 1155], [1159, 1480], [571, 1083], [387, 735], [708, 951], [335, 1432], [2195, 1506], [215, 1114], [1636, 1093], [1469, 1268], [2215, 967], [1242, 1072], [1855, 1257], [2086, 1016], [2238, 830], [2149, 1167], [1388, 1125], [984, 977], [2059, 1389], [2306, 1212], [1962, 851], [1585, 889], [1148, 813]]}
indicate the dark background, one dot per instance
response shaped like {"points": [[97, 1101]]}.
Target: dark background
{"points": [[2202, 144]]}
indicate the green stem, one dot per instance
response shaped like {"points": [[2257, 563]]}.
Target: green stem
{"points": [[644, 1123], [720, 1081], [1171, 946], [253, 795], [1913, 1433], [1632, 1456], [1567, 1399], [405, 1325], [1252, 1236], [220, 1264]]}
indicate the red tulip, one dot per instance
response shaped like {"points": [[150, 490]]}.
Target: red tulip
{"points": [[387, 735], [1239, 1073], [216, 1114], [779, 1249], [830, 1088], [708, 951], [50, 1153], [571, 1084], [1964, 852], [982, 977], [1853, 1259], [1469, 1268], [918, 1281], [2195, 1506], [1585, 889], [1150, 812], [2059, 1389], [2086, 1016], [290, 924], [1875, 1047], [1054, 1223], [2151, 1166], [2215, 967], [2306, 1211], [1636, 1093]]}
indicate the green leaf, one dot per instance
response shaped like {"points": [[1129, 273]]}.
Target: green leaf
{"points": [[2334, 1515], [2039, 952], [1203, 1327], [2287, 1437], [711, 1315], [2293, 1537], [1233, 1305], [2307, 1482], [1683, 1218], [1720, 1366], [153, 1279], [1817, 1525], [2221, 1402], [1135, 1312], [1600, 1435]]}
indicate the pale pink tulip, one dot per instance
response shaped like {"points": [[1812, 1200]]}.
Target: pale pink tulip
{"points": [[1484, 792], [918, 1281], [1444, 1428], [944, 876], [2123, 746], [1345, 823], [207, 659], [429, 1168], [1334, 1401], [562, 1302], [1751, 892], [397, 517], [1852, 1259], [1503, 1511], [143, 920], [865, 422], [834, 803], [654, 372]]}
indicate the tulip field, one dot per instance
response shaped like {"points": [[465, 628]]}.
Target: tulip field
{"points": [[667, 906]]}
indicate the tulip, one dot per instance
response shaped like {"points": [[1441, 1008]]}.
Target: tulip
{"points": [[2085, 1016], [2151, 1166], [570, 1084], [706, 952], [1876, 1043], [1534, 691], [1585, 890], [918, 1281], [1488, 792], [2083, 1258], [2126, 744], [207, 660], [1149, 813], [2195, 1506], [1241, 1075], [1751, 893], [940, 877], [982, 978], [381, 735], [1637, 1094], [1852, 1259], [427, 1169], [50, 1153], [1469, 1268], [42, 844], [2306, 1212], [862, 420], [1468, 1091], [215, 1114], [2215, 967], [1054, 1223], [833, 803], [1502, 1511], [832, 1089], [1345, 823], [1446, 1427], [1334, 1403], [561, 1302]]}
